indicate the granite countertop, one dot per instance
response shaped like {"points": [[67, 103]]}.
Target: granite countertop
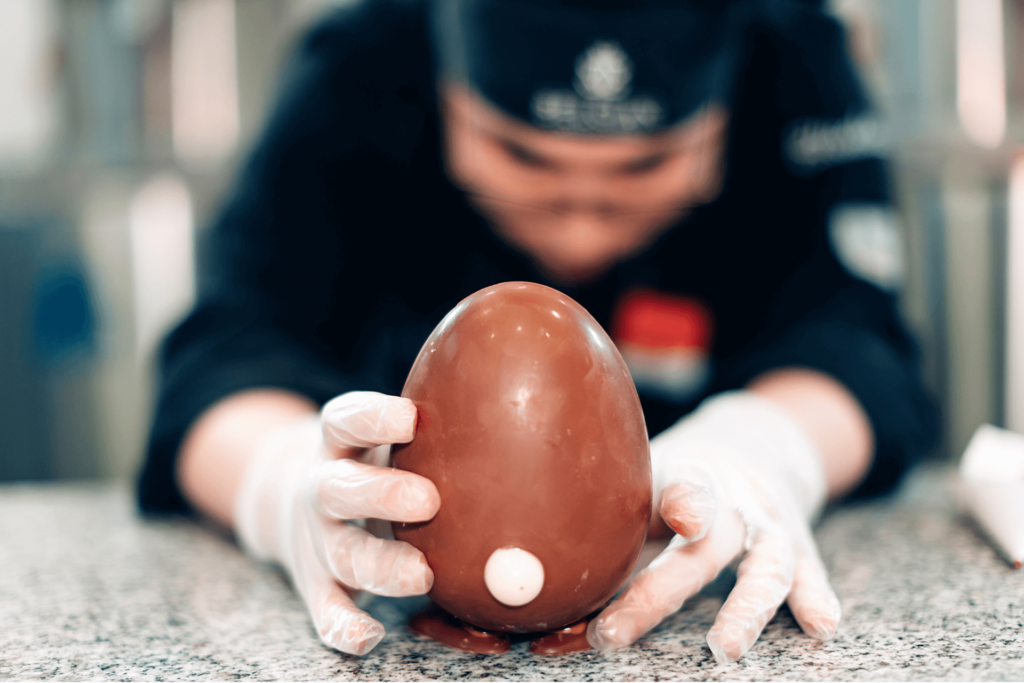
{"points": [[90, 590]]}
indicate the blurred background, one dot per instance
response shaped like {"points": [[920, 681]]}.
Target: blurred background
{"points": [[122, 123]]}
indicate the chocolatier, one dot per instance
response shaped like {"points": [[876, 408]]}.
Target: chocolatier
{"points": [[702, 178]]}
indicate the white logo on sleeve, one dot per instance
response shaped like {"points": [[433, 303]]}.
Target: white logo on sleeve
{"points": [[868, 242], [811, 144], [603, 72]]}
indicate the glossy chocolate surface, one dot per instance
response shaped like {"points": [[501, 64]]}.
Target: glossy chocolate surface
{"points": [[531, 429]]}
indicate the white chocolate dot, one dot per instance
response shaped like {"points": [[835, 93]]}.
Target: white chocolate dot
{"points": [[513, 576]]}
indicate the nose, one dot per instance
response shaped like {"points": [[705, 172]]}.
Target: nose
{"points": [[583, 194], [513, 576]]}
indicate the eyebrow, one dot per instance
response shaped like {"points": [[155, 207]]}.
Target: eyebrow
{"points": [[638, 164], [525, 153], [644, 163]]}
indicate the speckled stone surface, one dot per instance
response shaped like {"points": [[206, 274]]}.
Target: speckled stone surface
{"points": [[88, 590]]}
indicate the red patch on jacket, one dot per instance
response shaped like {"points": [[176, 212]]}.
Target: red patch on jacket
{"points": [[665, 340]]}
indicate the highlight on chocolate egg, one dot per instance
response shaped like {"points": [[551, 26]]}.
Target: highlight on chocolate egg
{"points": [[531, 429]]}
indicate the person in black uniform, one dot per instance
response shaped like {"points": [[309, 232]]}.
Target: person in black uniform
{"points": [[691, 172]]}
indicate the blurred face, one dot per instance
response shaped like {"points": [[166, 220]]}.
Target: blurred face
{"points": [[579, 204]]}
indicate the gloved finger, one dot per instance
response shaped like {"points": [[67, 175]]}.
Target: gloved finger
{"points": [[763, 580], [813, 602], [347, 489], [678, 573], [339, 623], [363, 419], [364, 562], [342, 625], [688, 508]]}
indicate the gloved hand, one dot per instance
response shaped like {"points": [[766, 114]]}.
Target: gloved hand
{"points": [[303, 501], [736, 479]]}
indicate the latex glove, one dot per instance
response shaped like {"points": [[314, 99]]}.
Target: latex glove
{"points": [[736, 479], [303, 500]]}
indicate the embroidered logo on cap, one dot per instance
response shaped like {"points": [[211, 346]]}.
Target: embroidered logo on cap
{"points": [[600, 101], [603, 72]]}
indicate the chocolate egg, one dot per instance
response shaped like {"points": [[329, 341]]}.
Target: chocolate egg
{"points": [[531, 429]]}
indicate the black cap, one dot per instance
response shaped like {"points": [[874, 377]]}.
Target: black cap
{"points": [[592, 66]]}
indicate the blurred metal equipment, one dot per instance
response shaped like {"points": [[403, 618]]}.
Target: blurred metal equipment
{"points": [[204, 81], [123, 121], [949, 75], [24, 453], [47, 345], [1015, 301]]}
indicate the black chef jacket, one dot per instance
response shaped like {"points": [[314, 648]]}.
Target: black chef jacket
{"points": [[343, 243]]}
